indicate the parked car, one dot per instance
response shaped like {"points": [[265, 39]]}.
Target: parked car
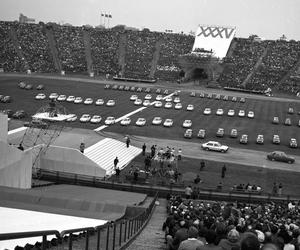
{"points": [[220, 132], [201, 133], [157, 120], [110, 120], [293, 143], [99, 102], [126, 121], [71, 98], [6, 99], [234, 99], [22, 85], [260, 139], [178, 106], [96, 119], [280, 156], [242, 100], [88, 101], [40, 96], [53, 96], [147, 90], [291, 110], [158, 104], [159, 97], [61, 98], [241, 113], [138, 102], [233, 133], [176, 100], [244, 139], [214, 146], [107, 86], [19, 114], [148, 97], [133, 97], [140, 122], [168, 105], [250, 114], [168, 99], [29, 87], [188, 133], [275, 120], [193, 93], [190, 107], [166, 92], [207, 111], [230, 112], [110, 103], [168, 123], [85, 118], [288, 122], [146, 103], [276, 139], [72, 118], [78, 100], [219, 112], [187, 123]]}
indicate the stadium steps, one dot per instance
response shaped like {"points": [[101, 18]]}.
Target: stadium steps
{"points": [[152, 237], [53, 49], [105, 151], [295, 68], [87, 50], [18, 48], [122, 52], [155, 58], [255, 68]]}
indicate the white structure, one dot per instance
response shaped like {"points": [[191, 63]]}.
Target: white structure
{"points": [[216, 39]]}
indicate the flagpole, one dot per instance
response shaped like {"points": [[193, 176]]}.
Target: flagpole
{"points": [[108, 17]]}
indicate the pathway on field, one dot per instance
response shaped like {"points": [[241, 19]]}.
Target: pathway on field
{"points": [[234, 155]]}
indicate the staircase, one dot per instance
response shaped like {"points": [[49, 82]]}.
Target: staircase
{"points": [[18, 49], [87, 49], [152, 237], [105, 151], [53, 49], [122, 53], [294, 69], [155, 58], [255, 68]]}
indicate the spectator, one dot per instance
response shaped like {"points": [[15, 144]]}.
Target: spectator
{"points": [[197, 180], [210, 237], [144, 149], [180, 235], [280, 189], [191, 243], [250, 242], [223, 171], [82, 147], [116, 161], [188, 192], [232, 240], [127, 141]]}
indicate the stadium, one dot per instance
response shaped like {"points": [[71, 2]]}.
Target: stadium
{"points": [[119, 138]]}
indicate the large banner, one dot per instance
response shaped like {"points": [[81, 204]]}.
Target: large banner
{"points": [[214, 38]]}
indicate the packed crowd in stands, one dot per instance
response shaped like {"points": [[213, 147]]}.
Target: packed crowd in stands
{"points": [[255, 65], [227, 226], [69, 41]]}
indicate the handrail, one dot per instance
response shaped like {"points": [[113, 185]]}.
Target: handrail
{"points": [[76, 230], [19, 235]]}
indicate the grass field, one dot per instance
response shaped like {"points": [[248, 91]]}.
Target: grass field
{"points": [[261, 124]]}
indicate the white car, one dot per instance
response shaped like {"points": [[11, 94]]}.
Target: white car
{"points": [[187, 124], [78, 100], [250, 114], [148, 97], [146, 103], [61, 98], [168, 123], [158, 104], [169, 99], [241, 113], [40, 96], [72, 118], [215, 146], [138, 102], [176, 100], [110, 103], [96, 119], [207, 111], [71, 98], [99, 102], [159, 97], [88, 101], [85, 118], [219, 112], [230, 112], [234, 99], [133, 97], [178, 105], [157, 120], [110, 120], [168, 105], [190, 107], [126, 121], [53, 96], [140, 122]]}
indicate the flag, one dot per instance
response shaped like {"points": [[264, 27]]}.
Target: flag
{"points": [[110, 16]]}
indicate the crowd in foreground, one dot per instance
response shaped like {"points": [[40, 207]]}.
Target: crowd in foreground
{"points": [[197, 225]]}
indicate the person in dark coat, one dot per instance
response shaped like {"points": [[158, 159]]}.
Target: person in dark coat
{"points": [[116, 161], [223, 171], [144, 149]]}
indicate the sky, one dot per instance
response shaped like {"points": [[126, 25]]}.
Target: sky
{"points": [[269, 19]]}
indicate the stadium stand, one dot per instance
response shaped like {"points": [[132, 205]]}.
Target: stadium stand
{"points": [[143, 55], [228, 225]]}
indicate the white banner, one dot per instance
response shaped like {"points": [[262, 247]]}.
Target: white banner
{"points": [[214, 38]]}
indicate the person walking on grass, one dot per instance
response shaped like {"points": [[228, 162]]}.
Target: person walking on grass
{"points": [[223, 171], [144, 149], [116, 161]]}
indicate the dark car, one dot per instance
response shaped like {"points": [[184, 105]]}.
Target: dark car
{"points": [[19, 114], [6, 99], [107, 86], [280, 156], [22, 85], [8, 112], [40, 87], [29, 87]]}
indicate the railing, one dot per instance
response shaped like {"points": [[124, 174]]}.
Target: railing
{"points": [[112, 235], [164, 190]]}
